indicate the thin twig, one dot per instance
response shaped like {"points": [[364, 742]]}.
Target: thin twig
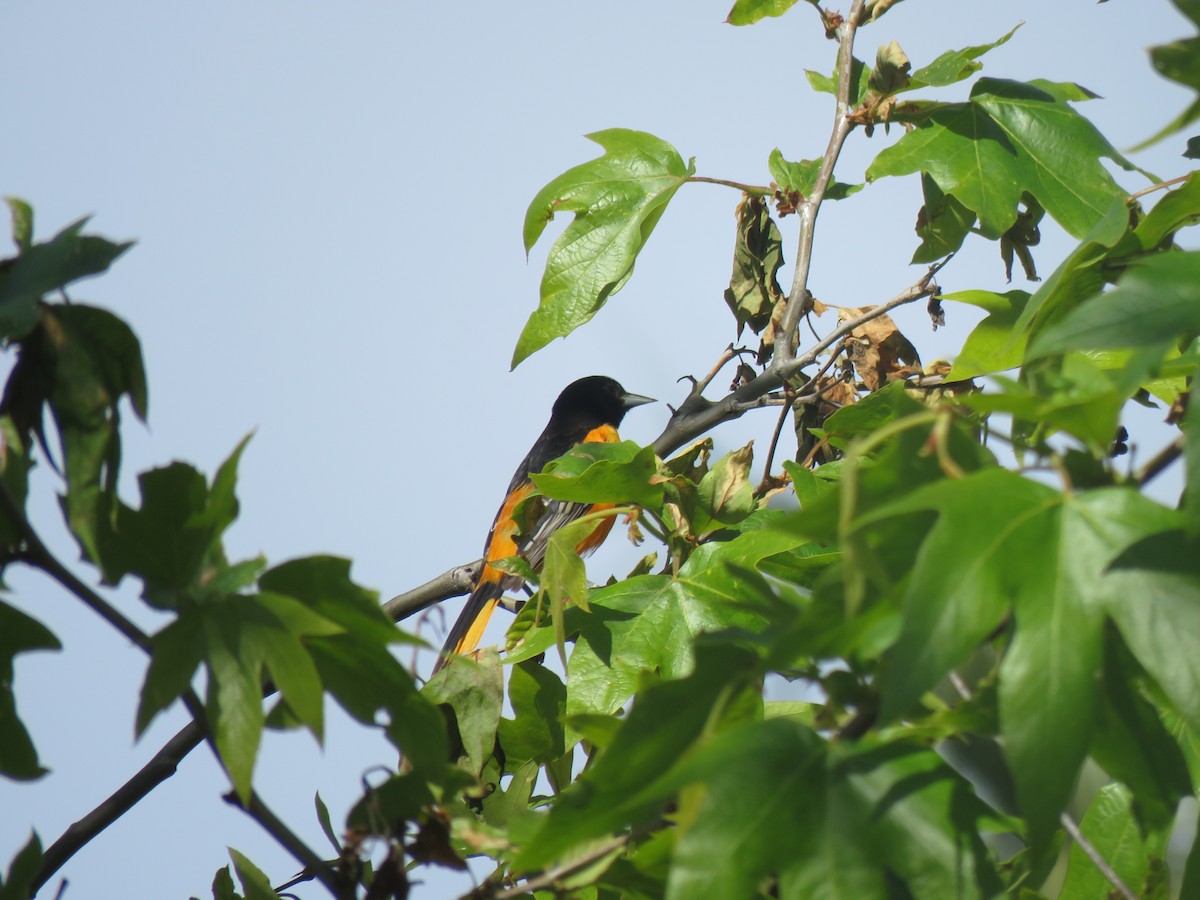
{"points": [[290, 841], [697, 415], [38, 555], [1159, 463], [783, 415], [1094, 855]]}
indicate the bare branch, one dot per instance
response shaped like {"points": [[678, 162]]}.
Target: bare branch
{"points": [[451, 583]]}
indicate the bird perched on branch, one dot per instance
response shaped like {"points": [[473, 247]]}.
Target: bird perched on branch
{"points": [[587, 411]]}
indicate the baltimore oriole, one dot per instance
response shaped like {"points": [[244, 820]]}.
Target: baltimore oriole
{"points": [[588, 410]]}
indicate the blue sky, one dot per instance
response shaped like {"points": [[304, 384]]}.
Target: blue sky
{"points": [[327, 200]]}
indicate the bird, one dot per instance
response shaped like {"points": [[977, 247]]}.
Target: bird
{"points": [[587, 411]]}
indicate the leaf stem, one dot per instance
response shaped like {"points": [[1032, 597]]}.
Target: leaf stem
{"points": [[1170, 182], [754, 189]]}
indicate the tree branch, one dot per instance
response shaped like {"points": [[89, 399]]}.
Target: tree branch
{"points": [[451, 583], [39, 556], [161, 767], [1161, 461], [697, 415], [798, 296]]}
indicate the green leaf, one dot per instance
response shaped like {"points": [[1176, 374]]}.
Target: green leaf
{"points": [[648, 623], [597, 472], [761, 781], [1156, 300], [1163, 611], [365, 678], [326, 824], [295, 675], [234, 696], [993, 345], [22, 222], [1080, 399], [19, 633], [474, 689], [920, 817], [45, 267], [968, 573], [1112, 830], [386, 809], [1180, 62], [666, 721], [1008, 139], [1080, 276], [1045, 561], [80, 361], [943, 223], [954, 65], [1134, 746], [617, 200], [222, 885], [1191, 871], [747, 12], [15, 465], [538, 699], [800, 177], [165, 541], [177, 651], [256, 885], [564, 577], [323, 584], [1176, 209], [1049, 676], [860, 76], [17, 884], [1191, 453]]}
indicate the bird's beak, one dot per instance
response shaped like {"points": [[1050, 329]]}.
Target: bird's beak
{"points": [[629, 401]]}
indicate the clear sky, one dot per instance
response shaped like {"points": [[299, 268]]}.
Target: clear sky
{"points": [[327, 199]]}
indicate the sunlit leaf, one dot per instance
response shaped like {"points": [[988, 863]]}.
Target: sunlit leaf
{"points": [[1156, 300], [1008, 139], [747, 12], [617, 200]]}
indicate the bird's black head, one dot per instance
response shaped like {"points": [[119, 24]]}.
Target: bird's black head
{"points": [[596, 398]]}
